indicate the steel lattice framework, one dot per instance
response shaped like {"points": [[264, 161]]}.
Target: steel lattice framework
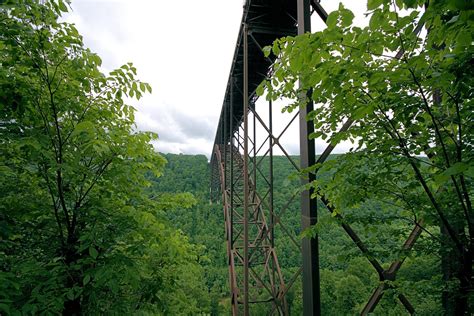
{"points": [[246, 190], [248, 233]]}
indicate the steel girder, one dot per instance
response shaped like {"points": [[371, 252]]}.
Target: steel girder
{"points": [[255, 276]]}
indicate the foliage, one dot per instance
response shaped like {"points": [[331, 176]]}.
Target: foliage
{"points": [[406, 95], [202, 222], [347, 277], [78, 233]]}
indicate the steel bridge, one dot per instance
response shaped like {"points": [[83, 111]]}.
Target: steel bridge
{"points": [[246, 190]]}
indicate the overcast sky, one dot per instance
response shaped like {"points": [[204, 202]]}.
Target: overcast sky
{"points": [[184, 50]]}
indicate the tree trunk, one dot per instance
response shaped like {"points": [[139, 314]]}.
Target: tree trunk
{"points": [[448, 266], [456, 267], [465, 285], [72, 307]]}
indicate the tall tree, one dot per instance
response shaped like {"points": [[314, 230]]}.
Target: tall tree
{"points": [[409, 100], [78, 231]]}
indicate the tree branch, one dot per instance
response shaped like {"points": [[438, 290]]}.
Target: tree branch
{"points": [[55, 205], [433, 120], [97, 176], [396, 136]]}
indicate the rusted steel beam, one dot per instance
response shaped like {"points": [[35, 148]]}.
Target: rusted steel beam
{"points": [[228, 231], [390, 274], [319, 10], [246, 174], [309, 217]]}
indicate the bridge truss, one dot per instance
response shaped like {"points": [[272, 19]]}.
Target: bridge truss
{"points": [[243, 176]]}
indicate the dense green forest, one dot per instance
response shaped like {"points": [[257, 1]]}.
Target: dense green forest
{"points": [[346, 276], [93, 220]]}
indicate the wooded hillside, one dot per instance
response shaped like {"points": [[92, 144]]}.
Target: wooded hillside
{"points": [[346, 275]]}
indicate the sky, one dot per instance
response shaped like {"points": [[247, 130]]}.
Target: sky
{"points": [[184, 49]]}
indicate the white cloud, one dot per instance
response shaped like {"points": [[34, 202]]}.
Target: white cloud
{"points": [[184, 50]]}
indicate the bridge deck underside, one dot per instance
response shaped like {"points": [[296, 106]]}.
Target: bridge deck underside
{"points": [[267, 20]]}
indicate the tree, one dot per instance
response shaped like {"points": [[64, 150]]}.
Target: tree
{"points": [[78, 231], [409, 100]]}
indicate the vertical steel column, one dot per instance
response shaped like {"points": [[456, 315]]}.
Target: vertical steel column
{"points": [[211, 187], [311, 282], [246, 173], [254, 151], [238, 139], [224, 144], [231, 137], [270, 152], [221, 137], [270, 195]]}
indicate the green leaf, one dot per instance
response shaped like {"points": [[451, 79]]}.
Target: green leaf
{"points": [[84, 127], [96, 59], [260, 89], [296, 64], [267, 51], [462, 4], [276, 48], [70, 295], [332, 19], [86, 279], [5, 308], [410, 3], [93, 252], [373, 4], [375, 22], [469, 172], [363, 111], [346, 16], [62, 6], [464, 38], [440, 178], [456, 169]]}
